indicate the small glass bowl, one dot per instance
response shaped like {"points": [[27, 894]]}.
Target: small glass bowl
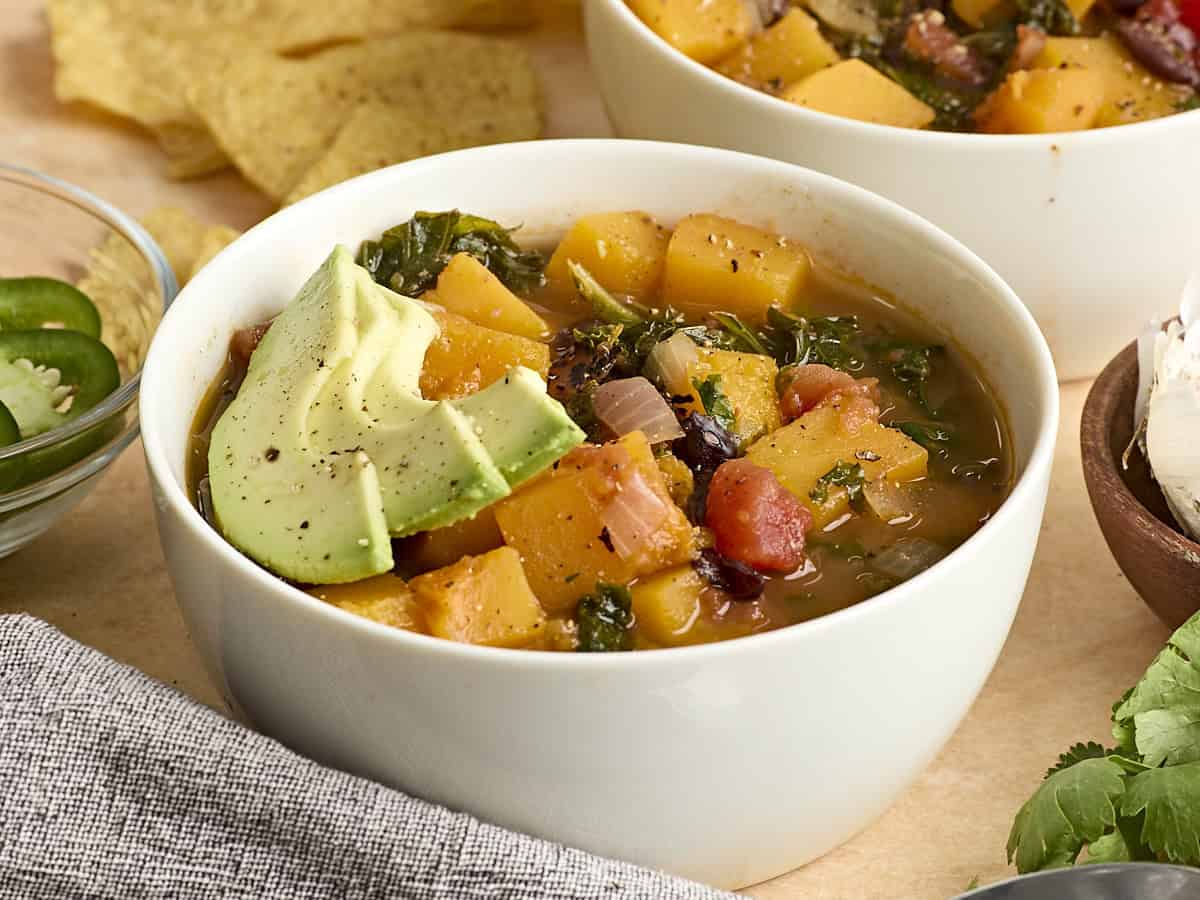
{"points": [[52, 228]]}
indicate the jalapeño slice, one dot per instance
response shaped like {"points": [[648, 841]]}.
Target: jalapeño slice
{"points": [[27, 303]]}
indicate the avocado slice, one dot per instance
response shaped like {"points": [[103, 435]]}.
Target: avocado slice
{"points": [[329, 450]]}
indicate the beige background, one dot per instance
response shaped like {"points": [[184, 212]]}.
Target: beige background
{"points": [[1082, 636]]}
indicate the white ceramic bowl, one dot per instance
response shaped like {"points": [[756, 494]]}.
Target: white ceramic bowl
{"points": [[730, 763], [1096, 231]]}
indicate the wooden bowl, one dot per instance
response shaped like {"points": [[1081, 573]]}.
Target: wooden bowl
{"points": [[1160, 562]]}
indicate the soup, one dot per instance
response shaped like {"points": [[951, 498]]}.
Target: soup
{"points": [[684, 436], [968, 65]]}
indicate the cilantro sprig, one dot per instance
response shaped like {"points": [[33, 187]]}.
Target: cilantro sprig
{"points": [[1137, 801]]}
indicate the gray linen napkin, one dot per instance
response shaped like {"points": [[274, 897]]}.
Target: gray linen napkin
{"points": [[113, 785]]}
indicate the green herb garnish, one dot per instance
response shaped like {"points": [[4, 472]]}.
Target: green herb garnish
{"points": [[605, 306], [1139, 801], [1051, 16], [834, 341], [714, 401], [742, 337], [605, 620], [848, 475], [409, 257]]}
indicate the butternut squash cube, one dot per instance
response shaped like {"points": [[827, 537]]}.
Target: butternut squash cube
{"points": [[748, 381], [386, 599], [789, 50], [1043, 101], [1130, 92], [705, 30], [557, 522], [984, 13], [466, 358], [667, 605], [466, 287], [801, 453], [444, 546], [715, 263], [482, 600], [678, 478], [855, 90], [1080, 8], [624, 251]]}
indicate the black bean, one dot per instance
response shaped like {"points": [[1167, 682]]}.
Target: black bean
{"points": [[705, 444], [1153, 45], [735, 578]]}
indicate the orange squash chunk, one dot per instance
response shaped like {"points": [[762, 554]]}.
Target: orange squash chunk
{"points": [[466, 358]]}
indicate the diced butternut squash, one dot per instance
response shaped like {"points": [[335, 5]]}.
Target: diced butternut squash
{"points": [[557, 522], [984, 13], [466, 287], [443, 546], [467, 357], [855, 90], [801, 453], [789, 50], [624, 251], [386, 599], [667, 605], [748, 381], [482, 600], [677, 477], [1043, 101], [705, 30], [1130, 93], [717, 263]]}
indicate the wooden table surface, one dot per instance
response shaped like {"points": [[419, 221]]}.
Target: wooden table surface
{"points": [[1081, 638]]}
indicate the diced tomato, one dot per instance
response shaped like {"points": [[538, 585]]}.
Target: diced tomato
{"points": [[1189, 14], [755, 519], [814, 384]]}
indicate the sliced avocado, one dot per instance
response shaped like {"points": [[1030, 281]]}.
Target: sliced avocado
{"points": [[329, 448]]}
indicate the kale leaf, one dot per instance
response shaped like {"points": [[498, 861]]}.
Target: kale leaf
{"points": [[834, 341], [742, 337], [714, 401], [605, 306], [605, 620], [928, 435], [953, 104], [1051, 16], [847, 475], [409, 257]]}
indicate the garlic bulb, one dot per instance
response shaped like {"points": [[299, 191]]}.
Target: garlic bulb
{"points": [[1168, 413]]}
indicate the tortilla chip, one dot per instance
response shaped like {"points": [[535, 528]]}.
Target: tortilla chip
{"points": [[276, 117], [216, 238], [122, 285], [190, 149], [391, 16], [378, 135]]}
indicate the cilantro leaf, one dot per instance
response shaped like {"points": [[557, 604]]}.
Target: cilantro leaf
{"points": [[850, 476], [1170, 798], [1111, 848], [714, 401], [1160, 717], [1073, 807], [1077, 754]]}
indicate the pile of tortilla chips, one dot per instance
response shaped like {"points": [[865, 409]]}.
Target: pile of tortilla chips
{"points": [[299, 94]]}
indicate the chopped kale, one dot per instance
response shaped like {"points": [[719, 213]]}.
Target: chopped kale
{"points": [[1188, 103], [714, 401], [910, 364], [1051, 16], [409, 257], [930, 436], [605, 620], [605, 306], [848, 475], [953, 103], [742, 337], [835, 341]]}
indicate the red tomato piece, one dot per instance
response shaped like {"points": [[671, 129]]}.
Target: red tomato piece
{"points": [[755, 519], [814, 384]]}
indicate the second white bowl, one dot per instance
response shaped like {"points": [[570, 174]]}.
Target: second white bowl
{"points": [[1096, 231]]}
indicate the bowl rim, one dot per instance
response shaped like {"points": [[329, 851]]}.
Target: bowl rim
{"points": [[1095, 451], [1092, 871], [141, 240], [854, 129], [171, 494]]}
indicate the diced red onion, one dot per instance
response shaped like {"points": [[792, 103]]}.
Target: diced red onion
{"points": [[633, 515], [634, 404]]}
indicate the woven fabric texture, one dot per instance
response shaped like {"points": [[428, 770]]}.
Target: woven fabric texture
{"points": [[113, 785]]}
